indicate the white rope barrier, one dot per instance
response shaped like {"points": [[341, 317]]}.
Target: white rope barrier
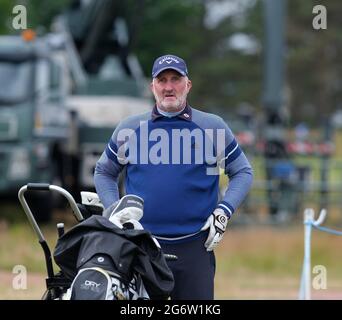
{"points": [[309, 223]]}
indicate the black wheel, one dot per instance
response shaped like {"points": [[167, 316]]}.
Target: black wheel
{"points": [[47, 295]]}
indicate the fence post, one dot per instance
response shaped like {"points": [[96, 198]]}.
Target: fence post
{"points": [[305, 287]]}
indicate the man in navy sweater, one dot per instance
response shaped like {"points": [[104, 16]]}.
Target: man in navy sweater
{"points": [[172, 158]]}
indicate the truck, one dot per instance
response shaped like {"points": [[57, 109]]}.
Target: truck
{"points": [[108, 84], [34, 119], [60, 106]]}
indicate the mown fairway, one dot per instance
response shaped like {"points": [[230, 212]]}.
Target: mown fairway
{"points": [[253, 262]]}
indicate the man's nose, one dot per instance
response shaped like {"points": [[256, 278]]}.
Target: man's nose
{"points": [[168, 86]]}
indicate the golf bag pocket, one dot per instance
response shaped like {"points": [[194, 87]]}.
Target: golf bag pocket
{"points": [[96, 284]]}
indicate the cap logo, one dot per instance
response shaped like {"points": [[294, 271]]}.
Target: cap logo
{"points": [[168, 60]]}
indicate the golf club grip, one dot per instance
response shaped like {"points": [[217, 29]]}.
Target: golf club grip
{"points": [[38, 186]]}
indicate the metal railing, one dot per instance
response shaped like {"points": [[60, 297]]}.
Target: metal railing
{"points": [[306, 184]]}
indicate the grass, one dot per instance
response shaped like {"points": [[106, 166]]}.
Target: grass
{"points": [[19, 243], [253, 262], [265, 263]]}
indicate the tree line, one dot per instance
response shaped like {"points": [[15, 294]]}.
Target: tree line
{"points": [[222, 42]]}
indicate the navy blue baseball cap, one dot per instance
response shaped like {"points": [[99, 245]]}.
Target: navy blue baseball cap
{"points": [[169, 61]]}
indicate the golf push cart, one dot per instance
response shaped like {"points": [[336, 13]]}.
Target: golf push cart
{"points": [[99, 258]]}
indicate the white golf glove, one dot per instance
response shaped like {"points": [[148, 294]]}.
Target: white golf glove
{"points": [[216, 223]]}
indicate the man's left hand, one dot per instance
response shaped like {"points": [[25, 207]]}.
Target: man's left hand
{"points": [[217, 223]]}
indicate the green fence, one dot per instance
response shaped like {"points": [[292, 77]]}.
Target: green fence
{"points": [[294, 185]]}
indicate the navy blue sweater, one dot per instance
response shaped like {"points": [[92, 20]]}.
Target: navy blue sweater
{"points": [[173, 164]]}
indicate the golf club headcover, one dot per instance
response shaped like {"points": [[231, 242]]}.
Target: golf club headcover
{"points": [[91, 199], [91, 204], [129, 209]]}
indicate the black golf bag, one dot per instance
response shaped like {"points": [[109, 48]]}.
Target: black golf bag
{"points": [[100, 258], [105, 261]]}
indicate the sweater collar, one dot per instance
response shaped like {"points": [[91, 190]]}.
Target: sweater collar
{"points": [[185, 115]]}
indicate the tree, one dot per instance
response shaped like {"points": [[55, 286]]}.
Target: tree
{"points": [[222, 77], [314, 61], [6, 7], [39, 14]]}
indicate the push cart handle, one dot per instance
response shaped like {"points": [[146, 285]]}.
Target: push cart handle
{"points": [[45, 187], [38, 186]]}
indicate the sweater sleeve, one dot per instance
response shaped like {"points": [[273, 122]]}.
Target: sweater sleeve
{"points": [[239, 171], [107, 171]]}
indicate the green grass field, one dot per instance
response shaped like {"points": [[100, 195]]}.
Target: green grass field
{"points": [[253, 261]]}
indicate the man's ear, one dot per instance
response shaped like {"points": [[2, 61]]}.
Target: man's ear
{"points": [[151, 86], [189, 84]]}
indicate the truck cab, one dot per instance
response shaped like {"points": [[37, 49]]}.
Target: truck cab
{"points": [[101, 103], [34, 120]]}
